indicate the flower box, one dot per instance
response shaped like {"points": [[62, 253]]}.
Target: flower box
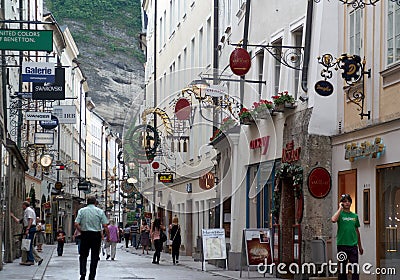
{"points": [[290, 105], [264, 114], [247, 120]]}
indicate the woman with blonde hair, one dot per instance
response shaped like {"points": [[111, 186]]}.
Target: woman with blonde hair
{"points": [[175, 237]]}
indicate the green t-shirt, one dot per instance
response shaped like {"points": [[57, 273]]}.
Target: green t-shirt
{"points": [[347, 224]]}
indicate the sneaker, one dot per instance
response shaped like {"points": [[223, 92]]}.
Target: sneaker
{"points": [[40, 262], [177, 261], [108, 256]]}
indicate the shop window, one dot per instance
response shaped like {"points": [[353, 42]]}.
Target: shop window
{"points": [[348, 185]]}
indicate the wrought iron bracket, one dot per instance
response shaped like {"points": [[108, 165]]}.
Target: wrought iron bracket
{"points": [[289, 56], [360, 4], [353, 74]]}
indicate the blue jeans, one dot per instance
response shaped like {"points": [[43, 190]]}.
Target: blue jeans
{"points": [[133, 241], [31, 236]]}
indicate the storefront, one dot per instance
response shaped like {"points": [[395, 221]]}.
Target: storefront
{"points": [[366, 164]]}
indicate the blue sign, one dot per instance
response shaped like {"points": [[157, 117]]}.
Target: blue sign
{"points": [[49, 124], [38, 72]]}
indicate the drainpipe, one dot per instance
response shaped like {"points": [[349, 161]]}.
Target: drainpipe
{"points": [[307, 46]]}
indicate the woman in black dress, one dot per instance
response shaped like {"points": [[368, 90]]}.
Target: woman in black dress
{"points": [[175, 237]]}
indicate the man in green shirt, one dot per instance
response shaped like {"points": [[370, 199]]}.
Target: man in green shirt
{"points": [[348, 238], [90, 221]]}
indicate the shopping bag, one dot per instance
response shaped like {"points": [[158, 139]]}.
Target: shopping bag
{"points": [[26, 244]]}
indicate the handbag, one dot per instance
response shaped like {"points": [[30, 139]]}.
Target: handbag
{"points": [[26, 244], [163, 236]]}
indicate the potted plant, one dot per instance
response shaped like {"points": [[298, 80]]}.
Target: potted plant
{"points": [[246, 116], [227, 124], [263, 108], [283, 100]]}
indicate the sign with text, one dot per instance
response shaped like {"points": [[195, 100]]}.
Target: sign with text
{"points": [[65, 113], [319, 182], [39, 72], [258, 246], [214, 247], [166, 177], [51, 91], [26, 40], [44, 138], [262, 142], [37, 116], [371, 149], [290, 154]]}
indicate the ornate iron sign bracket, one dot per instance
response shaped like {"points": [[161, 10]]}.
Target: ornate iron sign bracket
{"points": [[289, 56], [353, 74], [360, 4]]}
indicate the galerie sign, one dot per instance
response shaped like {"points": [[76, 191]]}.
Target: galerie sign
{"points": [[39, 72], [26, 40]]}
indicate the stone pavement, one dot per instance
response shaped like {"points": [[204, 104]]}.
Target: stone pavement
{"points": [[129, 264]]}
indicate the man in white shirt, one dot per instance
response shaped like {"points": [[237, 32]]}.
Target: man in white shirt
{"points": [[29, 222]]}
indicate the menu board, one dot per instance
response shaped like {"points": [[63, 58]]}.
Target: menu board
{"points": [[258, 246], [214, 246]]}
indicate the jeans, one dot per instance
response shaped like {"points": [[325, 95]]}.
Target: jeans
{"points": [[31, 236], [351, 257], [90, 241], [60, 248], [133, 241], [158, 247]]}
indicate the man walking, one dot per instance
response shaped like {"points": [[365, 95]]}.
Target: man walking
{"points": [[89, 221], [348, 237]]}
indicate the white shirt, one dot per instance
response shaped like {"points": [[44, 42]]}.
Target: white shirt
{"points": [[29, 213]]}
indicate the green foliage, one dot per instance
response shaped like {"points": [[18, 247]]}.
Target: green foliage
{"points": [[102, 18], [32, 195]]}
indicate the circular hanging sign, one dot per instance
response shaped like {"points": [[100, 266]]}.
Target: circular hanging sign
{"points": [[182, 109], [155, 165], [323, 88], [206, 181], [240, 61], [319, 182], [51, 124]]}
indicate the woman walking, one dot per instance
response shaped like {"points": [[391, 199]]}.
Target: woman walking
{"points": [[155, 234], [175, 237], [145, 237], [127, 235], [112, 240], [39, 236]]}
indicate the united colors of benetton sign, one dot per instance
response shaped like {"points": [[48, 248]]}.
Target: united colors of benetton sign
{"points": [[26, 40], [39, 72]]}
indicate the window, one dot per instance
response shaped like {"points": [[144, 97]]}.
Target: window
{"points": [[348, 185], [393, 32], [201, 47], [171, 17], [209, 40], [298, 38], [355, 38], [260, 70], [277, 65]]}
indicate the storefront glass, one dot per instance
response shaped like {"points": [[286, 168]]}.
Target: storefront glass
{"points": [[388, 218]]}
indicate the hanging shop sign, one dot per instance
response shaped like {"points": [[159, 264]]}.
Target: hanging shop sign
{"points": [[290, 154], [207, 181], [240, 61], [65, 113], [51, 91], [216, 91], [26, 40], [182, 109], [166, 177], [49, 124], [44, 138], [372, 149], [39, 72], [37, 116], [319, 182], [323, 88], [262, 142]]}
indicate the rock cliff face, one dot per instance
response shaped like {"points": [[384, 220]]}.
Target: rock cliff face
{"points": [[106, 34]]}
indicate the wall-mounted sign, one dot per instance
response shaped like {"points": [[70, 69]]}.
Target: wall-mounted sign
{"points": [[27, 95], [166, 177], [216, 91], [372, 149], [323, 88], [49, 124], [65, 113], [319, 182], [189, 187], [207, 181], [240, 61], [51, 91], [182, 109], [26, 40], [39, 72], [261, 142], [44, 138], [37, 116], [290, 154]]}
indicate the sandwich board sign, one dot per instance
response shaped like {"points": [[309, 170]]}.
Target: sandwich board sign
{"points": [[214, 245]]}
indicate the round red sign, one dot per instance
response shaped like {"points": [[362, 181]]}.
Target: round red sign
{"points": [[182, 109], [319, 182], [240, 61], [155, 165]]}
